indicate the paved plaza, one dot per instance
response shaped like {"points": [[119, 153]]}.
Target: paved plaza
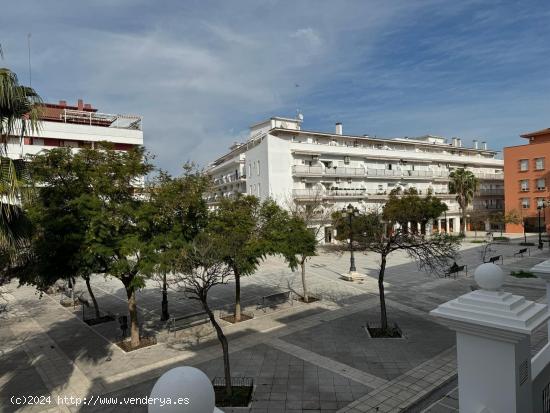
{"points": [[314, 357]]}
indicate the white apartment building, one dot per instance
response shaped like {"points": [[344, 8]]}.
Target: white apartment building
{"points": [[77, 127], [282, 161]]}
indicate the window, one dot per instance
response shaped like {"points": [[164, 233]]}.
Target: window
{"points": [[346, 160], [524, 164], [258, 190], [258, 168], [541, 184], [539, 164], [524, 185], [249, 170], [525, 204], [540, 201]]}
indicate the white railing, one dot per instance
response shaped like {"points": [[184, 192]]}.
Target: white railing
{"points": [[101, 119], [483, 175], [318, 170]]}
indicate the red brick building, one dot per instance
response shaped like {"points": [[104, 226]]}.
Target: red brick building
{"points": [[526, 180]]}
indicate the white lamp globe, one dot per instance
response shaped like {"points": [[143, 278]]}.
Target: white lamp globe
{"points": [[188, 389], [489, 277]]}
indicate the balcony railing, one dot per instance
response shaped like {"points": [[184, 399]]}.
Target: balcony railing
{"points": [[488, 192], [101, 119], [318, 170], [228, 179], [351, 193]]}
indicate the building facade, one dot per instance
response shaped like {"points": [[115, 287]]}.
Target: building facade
{"points": [[282, 161], [526, 171], [77, 126]]}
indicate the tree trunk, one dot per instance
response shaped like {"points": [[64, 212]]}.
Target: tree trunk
{"points": [[92, 296], [304, 285], [237, 296], [164, 315], [225, 347], [383, 315], [132, 309]]}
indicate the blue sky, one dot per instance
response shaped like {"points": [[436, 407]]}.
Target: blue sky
{"points": [[201, 71]]}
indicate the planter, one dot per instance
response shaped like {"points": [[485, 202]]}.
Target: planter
{"points": [[242, 388], [100, 320], [230, 318], [310, 299], [143, 342], [375, 331]]}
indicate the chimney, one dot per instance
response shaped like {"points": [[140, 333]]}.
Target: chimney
{"points": [[459, 142], [63, 103], [80, 104], [338, 128], [484, 145], [454, 142], [87, 106], [475, 144]]}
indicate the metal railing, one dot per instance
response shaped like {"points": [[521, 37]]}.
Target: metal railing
{"points": [[101, 119], [318, 170]]}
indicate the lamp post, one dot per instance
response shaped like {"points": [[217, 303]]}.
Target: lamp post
{"points": [[350, 212], [540, 207]]}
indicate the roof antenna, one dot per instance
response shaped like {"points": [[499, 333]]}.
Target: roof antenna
{"points": [[30, 70]]}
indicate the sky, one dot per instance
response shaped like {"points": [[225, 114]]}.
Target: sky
{"points": [[200, 72]]}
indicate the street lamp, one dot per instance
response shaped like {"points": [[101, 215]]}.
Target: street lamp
{"points": [[350, 212], [540, 207]]}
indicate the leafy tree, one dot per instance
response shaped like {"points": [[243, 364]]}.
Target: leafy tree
{"points": [[515, 217], [119, 235], [408, 207], [19, 115], [178, 212], [235, 224], [478, 217], [498, 218], [374, 232], [464, 184], [60, 222], [202, 266], [304, 231]]}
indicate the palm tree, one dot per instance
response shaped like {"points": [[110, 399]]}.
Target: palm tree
{"points": [[19, 115], [464, 184]]}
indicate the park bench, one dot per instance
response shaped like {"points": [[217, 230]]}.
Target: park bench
{"points": [[274, 299], [454, 270], [523, 251], [187, 321], [494, 259]]}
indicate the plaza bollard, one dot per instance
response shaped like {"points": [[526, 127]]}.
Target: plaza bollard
{"points": [[187, 388]]}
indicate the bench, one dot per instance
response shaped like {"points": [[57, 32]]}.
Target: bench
{"points": [[523, 251], [273, 299], [494, 259], [456, 269], [187, 321]]}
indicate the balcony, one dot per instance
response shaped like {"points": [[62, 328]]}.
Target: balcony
{"points": [[320, 171], [490, 192], [489, 177], [352, 193], [100, 119], [229, 179], [329, 194]]}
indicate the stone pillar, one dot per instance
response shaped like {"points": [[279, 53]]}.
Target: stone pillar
{"points": [[542, 271], [456, 225], [493, 348], [447, 225]]}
